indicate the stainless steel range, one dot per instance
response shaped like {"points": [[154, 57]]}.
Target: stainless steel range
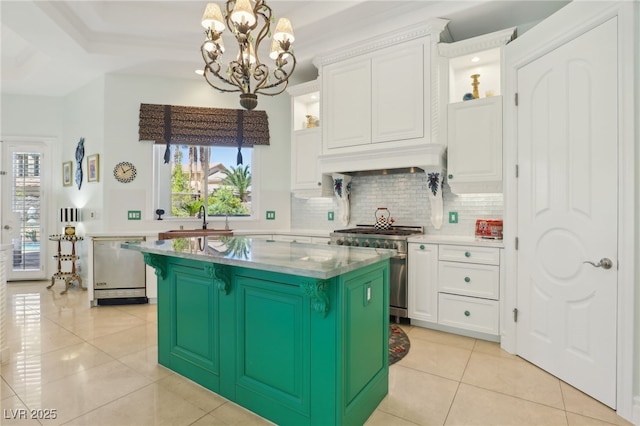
{"points": [[392, 238]]}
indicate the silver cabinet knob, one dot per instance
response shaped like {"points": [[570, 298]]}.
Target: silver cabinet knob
{"points": [[605, 263]]}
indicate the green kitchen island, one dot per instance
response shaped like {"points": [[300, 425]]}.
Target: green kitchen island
{"points": [[297, 333]]}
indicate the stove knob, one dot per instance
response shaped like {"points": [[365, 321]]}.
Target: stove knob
{"points": [[355, 243], [376, 244], [365, 243], [339, 241], [386, 244], [347, 242], [394, 246]]}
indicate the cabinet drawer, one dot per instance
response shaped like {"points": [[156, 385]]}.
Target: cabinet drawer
{"points": [[469, 279], [469, 313], [470, 254]]}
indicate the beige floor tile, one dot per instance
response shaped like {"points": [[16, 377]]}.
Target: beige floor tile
{"points": [[152, 405], [51, 366], [581, 403], [128, 341], [492, 348], [514, 377], [80, 393], [34, 336], [145, 362], [233, 414], [578, 420], [380, 418], [193, 392], [418, 397], [147, 311], [441, 337], [209, 420], [5, 389], [14, 412], [435, 358], [476, 406]]}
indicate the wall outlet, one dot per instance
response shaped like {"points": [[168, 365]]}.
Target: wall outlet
{"points": [[330, 216], [271, 215], [93, 215], [453, 217], [134, 215]]}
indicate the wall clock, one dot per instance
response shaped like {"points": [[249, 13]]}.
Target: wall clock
{"points": [[124, 172]]}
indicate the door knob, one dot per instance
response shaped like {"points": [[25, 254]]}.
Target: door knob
{"points": [[7, 227], [604, 263]]}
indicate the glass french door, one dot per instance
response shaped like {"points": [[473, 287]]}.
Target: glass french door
{"points": [[24, 208]]}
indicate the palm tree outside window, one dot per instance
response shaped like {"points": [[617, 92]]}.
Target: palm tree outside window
{"points": [[203, 176]]}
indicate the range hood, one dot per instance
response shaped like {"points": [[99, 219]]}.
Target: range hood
{"points": [[429, 159], [385, 161]]}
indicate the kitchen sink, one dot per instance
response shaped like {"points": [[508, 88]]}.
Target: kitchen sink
{"points": [[188, 233]]}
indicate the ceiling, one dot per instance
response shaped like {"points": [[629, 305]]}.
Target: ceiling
{"points": [[52, 48]]}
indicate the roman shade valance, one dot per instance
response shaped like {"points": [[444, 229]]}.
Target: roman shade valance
{"points": [[185, 125]]}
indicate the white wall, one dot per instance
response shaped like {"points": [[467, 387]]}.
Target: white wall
{"points": [[116, 121]]}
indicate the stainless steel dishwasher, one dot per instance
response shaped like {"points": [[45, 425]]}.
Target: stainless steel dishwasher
{"points": [[118, 274]]}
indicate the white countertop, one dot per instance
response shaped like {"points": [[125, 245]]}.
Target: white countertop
{"points": [[302, 259], [456, 240]]}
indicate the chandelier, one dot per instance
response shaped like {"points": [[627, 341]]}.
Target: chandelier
{"points": [[246, 73]]}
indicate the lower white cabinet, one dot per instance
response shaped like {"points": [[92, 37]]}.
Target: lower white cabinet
{"points": [[422, 281], [456, 288]]}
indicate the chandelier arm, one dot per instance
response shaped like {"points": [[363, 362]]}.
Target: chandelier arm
{"points": [[265, 12], [212, 84], [281, 80]]}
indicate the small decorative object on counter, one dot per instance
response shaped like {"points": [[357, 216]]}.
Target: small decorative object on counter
{"points": [[311, 122], [467, 97], [475, 85], [489, 229], [383, 218]]}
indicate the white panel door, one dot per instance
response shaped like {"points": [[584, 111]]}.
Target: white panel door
{"points": [[422, 282], [568, 210]]}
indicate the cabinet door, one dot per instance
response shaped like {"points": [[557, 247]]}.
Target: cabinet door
{"points": [[346, 106], [423, 282], [305, 149], [474, 158], [398, 101]]}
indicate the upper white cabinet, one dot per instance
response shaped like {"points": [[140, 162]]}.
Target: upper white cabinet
{"points": [[474, 112], [306, 138], [475, 146], [376, 96], [367, 102]]}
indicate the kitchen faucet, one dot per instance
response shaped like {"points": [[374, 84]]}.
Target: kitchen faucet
{"points": [[203, 214]]}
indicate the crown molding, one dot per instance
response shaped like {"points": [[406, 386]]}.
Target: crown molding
{"points": [[477, 44], [432, 27]]}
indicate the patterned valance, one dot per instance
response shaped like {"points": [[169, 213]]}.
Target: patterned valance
{"points": [[185, 125]]}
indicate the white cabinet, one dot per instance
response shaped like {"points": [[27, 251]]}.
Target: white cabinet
{"points": [[422, 284], [474, 127], [306, 138], [469, 288], [456, 288], [377, 98], [475, 146], [306, 146]]}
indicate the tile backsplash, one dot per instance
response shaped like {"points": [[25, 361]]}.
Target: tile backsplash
{"points": [[406, 197]]}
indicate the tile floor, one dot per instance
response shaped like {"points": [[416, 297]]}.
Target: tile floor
{"points": [[97, 366]]}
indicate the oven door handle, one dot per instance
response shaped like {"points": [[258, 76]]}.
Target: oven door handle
{"points": [[401, 256]]}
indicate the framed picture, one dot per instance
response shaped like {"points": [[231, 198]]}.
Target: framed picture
{"points": [[93, 168], [67, 173]]}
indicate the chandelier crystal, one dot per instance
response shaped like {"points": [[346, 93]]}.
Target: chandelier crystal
{"points": [[250, 22]]}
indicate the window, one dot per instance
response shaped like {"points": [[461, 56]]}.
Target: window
{"points": [[198, 176]]}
